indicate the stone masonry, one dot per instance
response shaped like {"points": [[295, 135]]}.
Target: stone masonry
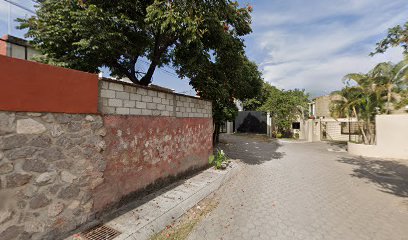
{"points": [[126, 99], [49, 164], [60, 171]]}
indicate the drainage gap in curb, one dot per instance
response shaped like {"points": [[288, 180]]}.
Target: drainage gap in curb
{"points": [[100, 232]]}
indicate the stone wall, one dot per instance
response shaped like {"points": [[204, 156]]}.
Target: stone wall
{"points": [[59, 171], [49, 166], [126, 99]]}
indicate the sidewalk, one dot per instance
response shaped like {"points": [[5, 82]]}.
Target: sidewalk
{"points": [[154, 212]]}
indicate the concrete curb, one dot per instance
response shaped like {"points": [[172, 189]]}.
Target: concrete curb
{"points": [[161, 208]]}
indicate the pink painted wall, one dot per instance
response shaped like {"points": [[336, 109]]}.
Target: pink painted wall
{"points": [[142, 149]]}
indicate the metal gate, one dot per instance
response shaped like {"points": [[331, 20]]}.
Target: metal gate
{"points": [[251, 122]]}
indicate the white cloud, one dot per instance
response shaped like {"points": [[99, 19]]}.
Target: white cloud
{"points": [[313, 45]]}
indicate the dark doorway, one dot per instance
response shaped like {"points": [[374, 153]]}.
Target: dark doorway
{"points": [[251, 122]]}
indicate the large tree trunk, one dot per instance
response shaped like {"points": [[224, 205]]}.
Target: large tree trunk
{"points": [[147, 78], [389, 93], [216, 133]]}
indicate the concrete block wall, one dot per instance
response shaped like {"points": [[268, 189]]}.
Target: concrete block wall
{"points": [[126, 99]]}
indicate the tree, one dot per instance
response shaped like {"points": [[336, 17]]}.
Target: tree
{"points": [[393, 79], [286, 107], [86, 35], [253, 104], [223, 76], [363, 99], [397, 36]]}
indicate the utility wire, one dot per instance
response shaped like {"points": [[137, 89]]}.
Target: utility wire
{"points": [[162, 69], [20, 6]]}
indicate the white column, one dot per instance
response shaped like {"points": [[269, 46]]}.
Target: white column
{"points": [[269, 124], [230, 127]]}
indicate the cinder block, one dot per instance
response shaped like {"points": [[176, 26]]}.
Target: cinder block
{"points": [[122, 95], [130, 89], [122, 111], [161, 107], [104, 101], [169, 108], [152, 93], [165, 101], [156, 100], [108, 93], [135, 111], [142, 91], [109, 110], [179, 114], [152, 106], [135, 97], [161, 95], [129, 104], [147, 99], [156, 113], [141, 105], [146, 112], [116, 87], [104, 85], [115, 102]]}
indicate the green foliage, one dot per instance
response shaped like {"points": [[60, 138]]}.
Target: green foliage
{"points": [[286, 107], [218, 159], [365, 95], [397, 36], [253, 104], [86, 35]]}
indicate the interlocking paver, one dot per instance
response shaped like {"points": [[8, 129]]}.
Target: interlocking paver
{"points": [[290, 190]]}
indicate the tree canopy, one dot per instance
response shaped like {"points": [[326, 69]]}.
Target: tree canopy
{"points": [[202, 40], [397, 36], [86, 35], [379, 91]]}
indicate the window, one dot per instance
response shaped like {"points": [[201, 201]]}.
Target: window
{"points": [[296, 125]]}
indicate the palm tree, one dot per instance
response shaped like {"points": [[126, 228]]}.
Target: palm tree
{"points": [[392, 78], [362, 98]]}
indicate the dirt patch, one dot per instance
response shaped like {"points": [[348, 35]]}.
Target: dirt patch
{"points": [[181, 228]]}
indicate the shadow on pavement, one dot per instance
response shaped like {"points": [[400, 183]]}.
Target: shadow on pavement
{"points": [[251, 149], [390, 176]]}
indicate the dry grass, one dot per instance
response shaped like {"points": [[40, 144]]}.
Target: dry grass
{"points": [[180, 229]]}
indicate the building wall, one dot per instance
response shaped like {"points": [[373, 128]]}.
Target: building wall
{"points": [[59, 171], [391, 136], [16, 48], [322, 106], [127, 99]]}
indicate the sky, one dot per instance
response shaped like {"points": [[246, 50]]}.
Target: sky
{"points": [[301, 44]]}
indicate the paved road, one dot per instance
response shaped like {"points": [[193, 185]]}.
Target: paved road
{"points": [[307, 191]]}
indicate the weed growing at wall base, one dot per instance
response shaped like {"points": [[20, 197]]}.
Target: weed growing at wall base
{"points": [[219, 160]]}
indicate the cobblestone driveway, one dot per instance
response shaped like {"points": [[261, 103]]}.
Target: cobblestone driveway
{"points": [[307, 191]]}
